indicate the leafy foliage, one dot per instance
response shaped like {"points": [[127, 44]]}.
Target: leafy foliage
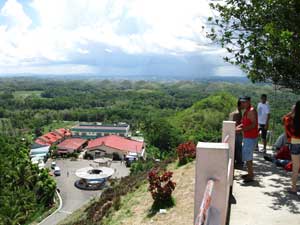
{"points": [[23, 187], [186, 152], [203, 121], [161, 187], [161, 134], [262, 37]]}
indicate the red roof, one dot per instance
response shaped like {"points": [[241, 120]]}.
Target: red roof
{"points": [[72, 143], [52, 137], [63, 132], [40, 142], [117, 142]]}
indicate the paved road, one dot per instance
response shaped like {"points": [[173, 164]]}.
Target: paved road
{"points": [[72, 197]]}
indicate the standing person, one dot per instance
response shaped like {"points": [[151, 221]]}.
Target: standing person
{"points": [[292, 128], [249, 127], [237, 117], [263, 110]]}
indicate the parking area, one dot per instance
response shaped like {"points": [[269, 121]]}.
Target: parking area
{"points": [[72, 197]]}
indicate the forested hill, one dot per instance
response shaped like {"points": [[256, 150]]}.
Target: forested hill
{"points": [[203, 120], [27, 105]]}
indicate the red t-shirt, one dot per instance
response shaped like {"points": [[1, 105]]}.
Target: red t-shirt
{"points": [[253, 133]]}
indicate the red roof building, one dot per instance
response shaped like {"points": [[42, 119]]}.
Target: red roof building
{"points": [[70, 145], [53, 137], [116, 144]]}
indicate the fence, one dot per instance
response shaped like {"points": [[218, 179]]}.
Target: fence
{"points": [[214, 178]]}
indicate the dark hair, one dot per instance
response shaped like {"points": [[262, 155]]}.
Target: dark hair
{"points": [[239, 103], [263, 96], [297, 119]]}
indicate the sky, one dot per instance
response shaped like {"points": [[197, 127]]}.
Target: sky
{"points": [[109, 37]]}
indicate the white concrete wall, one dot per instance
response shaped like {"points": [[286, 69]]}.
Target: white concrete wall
{"points": [[212, 163], [216, 161], [229, 130]]}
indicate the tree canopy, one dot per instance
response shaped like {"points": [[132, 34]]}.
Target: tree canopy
{"points": [[262, 37]]}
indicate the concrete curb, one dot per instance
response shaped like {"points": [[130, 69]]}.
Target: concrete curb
{"points": [[59, 208]]}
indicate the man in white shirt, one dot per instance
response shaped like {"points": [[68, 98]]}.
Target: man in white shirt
{"points": [[263, 111]]}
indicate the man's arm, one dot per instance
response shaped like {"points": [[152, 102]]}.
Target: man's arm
{"points": [[252, 116]]}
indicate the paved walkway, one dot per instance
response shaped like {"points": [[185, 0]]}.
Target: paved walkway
{"points": [[265, 201]]}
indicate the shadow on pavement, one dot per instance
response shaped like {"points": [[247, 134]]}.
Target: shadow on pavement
{"points": [[276, 186]]}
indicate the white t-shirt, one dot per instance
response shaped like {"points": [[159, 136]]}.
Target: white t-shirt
{"points": [[263, 110]]}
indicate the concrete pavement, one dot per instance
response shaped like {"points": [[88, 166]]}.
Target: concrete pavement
{"points": [[265, 201]]}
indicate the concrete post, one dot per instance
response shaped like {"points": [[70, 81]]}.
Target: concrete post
{"points": [[212, 163], [229, 129]]}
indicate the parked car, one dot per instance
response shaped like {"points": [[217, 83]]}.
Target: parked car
{"points": [[57, 171], [129, 161], [53, 165]]}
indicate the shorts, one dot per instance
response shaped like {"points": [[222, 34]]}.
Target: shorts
{"points": [[295, 149], [262, 128], [248, 146]]}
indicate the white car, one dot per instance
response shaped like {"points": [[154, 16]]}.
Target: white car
{"points": [[53, 165], [57, 171]]}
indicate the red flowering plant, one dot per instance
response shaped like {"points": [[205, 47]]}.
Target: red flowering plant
{"points": [[161, 187], [186, 152]]}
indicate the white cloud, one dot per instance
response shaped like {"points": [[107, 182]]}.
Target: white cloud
{"points": [[15, 14], [68, 28]]}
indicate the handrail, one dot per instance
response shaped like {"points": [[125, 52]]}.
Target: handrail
{"points": [[205, 205]]}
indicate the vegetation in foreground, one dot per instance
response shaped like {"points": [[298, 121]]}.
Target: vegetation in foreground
{"points": [[25, 190]]}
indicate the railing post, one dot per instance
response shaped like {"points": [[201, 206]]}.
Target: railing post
{"points": [[228, 130], [212, 163]]}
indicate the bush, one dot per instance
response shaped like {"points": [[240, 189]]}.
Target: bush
{"points": [[141, 166], [186, 152], [161, 187]]}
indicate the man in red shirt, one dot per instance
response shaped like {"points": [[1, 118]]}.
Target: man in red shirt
{"points": [[249, 127]]}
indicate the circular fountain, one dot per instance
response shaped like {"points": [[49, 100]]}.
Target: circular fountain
{"points": [[92, 178]]}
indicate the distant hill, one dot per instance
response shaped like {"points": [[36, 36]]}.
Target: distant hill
{"points": [[231, 79]]}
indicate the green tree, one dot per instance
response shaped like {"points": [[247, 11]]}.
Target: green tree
{"points": [[161, 134], [262, 37], [23, 187]]}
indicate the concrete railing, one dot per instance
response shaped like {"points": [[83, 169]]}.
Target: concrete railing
{"points": [[214, 178]]}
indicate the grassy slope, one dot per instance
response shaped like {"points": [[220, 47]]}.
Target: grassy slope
{"points": [[135, 206]]}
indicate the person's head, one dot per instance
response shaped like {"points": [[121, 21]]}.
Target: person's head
{"points": [[297, 118], [263, 98], [245, 102]]}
